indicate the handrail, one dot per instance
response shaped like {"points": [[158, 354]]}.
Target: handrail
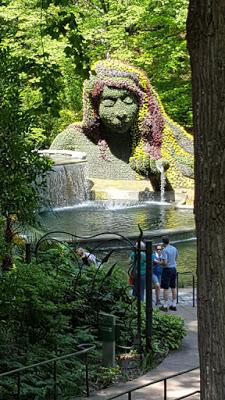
{"points": [[188, 395], [128, 392], [53, 360], [193, 285]]}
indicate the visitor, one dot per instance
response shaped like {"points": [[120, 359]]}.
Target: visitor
{"points": [[169, 256], [157, 272], [133, 263], [86, 257]]}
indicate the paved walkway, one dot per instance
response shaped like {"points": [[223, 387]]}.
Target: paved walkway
{"points": [[184, 358]]}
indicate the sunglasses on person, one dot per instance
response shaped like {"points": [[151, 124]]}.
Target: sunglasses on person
{"points": [[159, 248]]}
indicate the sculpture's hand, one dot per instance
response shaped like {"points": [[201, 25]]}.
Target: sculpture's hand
{"points": [[147, 166], [162, 163]]}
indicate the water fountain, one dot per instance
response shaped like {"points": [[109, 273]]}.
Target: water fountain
{"points": [[67, 182], [160, 167], [71, 210], [128, 139]]}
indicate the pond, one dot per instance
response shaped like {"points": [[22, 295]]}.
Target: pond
{"points": [[94, 217]]}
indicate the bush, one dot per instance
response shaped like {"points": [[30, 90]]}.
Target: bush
{"points": [[49, 307]]}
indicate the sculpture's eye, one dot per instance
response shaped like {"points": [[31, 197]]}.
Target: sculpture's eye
{"points": [[108, 102], [128, 100]]}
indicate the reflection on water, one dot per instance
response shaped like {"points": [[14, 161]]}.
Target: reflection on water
{"points": [[100, 216]]}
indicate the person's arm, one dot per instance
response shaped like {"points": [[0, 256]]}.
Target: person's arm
{"points": [[163, 259], [156, 261]]}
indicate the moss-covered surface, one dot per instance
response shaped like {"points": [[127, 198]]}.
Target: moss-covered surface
{"points": [[125, 131]]}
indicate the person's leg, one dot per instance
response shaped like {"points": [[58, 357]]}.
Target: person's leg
{"points": [[165, 286], [165, 297], [159, 276], [174, 296], [143, 287], [157, 293], [155, 282], [173, 277]]}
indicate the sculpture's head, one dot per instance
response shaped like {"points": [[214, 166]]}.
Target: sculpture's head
{"points": [[118, 99], [117, 110]]}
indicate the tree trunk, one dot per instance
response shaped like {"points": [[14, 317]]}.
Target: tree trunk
{"points": [[206, 43]]}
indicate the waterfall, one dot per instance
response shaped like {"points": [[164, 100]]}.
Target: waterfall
{"points": [[160, 167], [66, 183]]}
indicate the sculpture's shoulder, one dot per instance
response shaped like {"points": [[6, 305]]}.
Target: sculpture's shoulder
{"points": [[179, 135], [177, 149], [71, 138]]}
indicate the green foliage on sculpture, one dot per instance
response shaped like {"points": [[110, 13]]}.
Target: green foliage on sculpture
{"points": [[123, 115], [129, 91]]}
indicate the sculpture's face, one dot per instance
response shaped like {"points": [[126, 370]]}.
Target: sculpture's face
{"points": [[118, 109]]}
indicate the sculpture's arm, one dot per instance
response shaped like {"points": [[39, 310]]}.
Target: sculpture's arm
{"points": [[177, 148], [66, 140]]}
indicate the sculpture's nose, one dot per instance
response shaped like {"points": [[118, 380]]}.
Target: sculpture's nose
{"points": [[119, 110]]}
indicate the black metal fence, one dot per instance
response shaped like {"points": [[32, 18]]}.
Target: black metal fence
{"points": [[96, 242], [85, 349], [164, 380], [193, 285]]}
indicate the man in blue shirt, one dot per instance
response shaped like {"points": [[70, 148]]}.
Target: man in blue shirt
{"points": [[169, 256]]}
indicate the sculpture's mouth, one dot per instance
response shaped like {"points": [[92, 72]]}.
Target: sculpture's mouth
{"points": [[122, 124]]}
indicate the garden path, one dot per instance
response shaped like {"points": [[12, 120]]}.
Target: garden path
{"points": [[183, 359]]}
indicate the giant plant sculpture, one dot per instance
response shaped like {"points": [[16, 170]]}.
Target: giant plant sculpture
{"points": [[125, 131]]}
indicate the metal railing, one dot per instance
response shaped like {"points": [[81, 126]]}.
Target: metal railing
{"points": [[193, 285], [85, 349], [164, 380]]}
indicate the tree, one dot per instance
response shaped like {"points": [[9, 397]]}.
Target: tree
{"points": [[149, 34], [21, 166], [44, 37], [60, 39], [206, 43], [40, 62]]}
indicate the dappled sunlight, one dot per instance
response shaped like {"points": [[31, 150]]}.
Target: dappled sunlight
{"points": [[176, 387]]}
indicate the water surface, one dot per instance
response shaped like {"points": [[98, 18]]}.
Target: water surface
{"points": [[94, 217]]}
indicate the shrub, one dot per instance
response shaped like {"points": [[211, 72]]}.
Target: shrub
{"points": [[49, 307]]}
